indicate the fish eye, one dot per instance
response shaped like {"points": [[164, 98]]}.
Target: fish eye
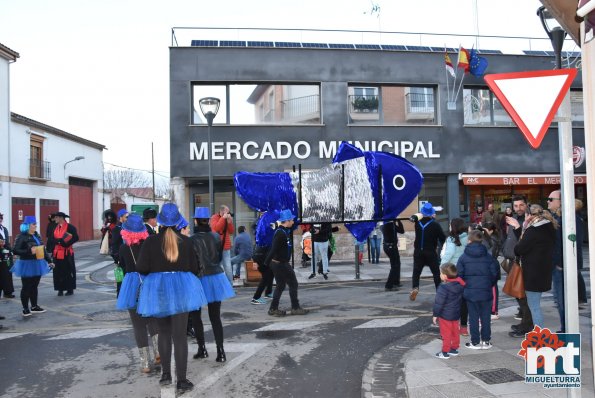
{"points": [[399, 182]]}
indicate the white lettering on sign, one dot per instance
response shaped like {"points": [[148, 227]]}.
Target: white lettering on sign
{"points": [[510, 180], [472, 180], [531, 181], [279, 150]]}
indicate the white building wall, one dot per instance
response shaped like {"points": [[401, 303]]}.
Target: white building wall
{"points": [[4, 126]]}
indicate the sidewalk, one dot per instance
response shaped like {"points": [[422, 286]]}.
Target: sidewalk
{"points": [[468, 374]]}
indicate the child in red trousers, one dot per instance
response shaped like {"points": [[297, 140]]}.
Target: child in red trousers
{"points": [[447, 310]]}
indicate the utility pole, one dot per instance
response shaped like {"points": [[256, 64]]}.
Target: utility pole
{"points": [[153, 170]]}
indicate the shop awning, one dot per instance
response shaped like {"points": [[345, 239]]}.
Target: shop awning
{"points": [[517, 179]]}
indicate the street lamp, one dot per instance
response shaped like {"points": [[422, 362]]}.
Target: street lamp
{"points": [[209, 106], [70, 161], [564, 119]]}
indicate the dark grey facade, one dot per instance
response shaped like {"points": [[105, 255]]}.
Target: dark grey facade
{"points": [[444, 149]]}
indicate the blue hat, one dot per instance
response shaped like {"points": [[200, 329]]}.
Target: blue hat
{"points": [[182, 224], [285, 215], [29, 220], [428, 210], [202, 212], [122, 212], [169, 215], [134, 223]]}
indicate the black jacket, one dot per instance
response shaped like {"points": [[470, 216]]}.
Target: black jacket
{"points": [[207, 245], [433, 235], [117, 240], [23, 245], [321, 232], [129, 256], [152, 258], [150, 229], [449, 295], [390, 230], [536, 249], [281, 247]]}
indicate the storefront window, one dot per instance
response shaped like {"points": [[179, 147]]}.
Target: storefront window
{"points": [[248, 104], [482, 108]]}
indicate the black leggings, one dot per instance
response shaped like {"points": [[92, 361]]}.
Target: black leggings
{"points": [[173, 328], [140, 325], [29, 291], [266, 282], [215, 317]]}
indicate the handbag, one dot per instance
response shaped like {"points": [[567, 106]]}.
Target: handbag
{"points": [[104, 248], [506, 264], [515, 285]]}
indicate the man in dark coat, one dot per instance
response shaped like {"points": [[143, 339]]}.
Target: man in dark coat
{"points": [[150, 219], [391, 247], [63, 237]]}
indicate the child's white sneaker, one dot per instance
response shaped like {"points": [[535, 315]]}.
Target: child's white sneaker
{"points": [[442, 355]]}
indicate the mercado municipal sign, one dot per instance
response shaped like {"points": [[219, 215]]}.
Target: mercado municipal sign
{"points": [[252, 150]]}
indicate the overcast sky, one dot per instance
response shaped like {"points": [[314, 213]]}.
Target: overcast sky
{"points": [[99, 68]]}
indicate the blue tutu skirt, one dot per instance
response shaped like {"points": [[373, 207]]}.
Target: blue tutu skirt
{"points": [[217, 287], [168, 293], [128, 295], [30, 268]]}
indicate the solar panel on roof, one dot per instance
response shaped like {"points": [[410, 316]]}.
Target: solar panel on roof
{"points": [[287, 44], [442, 49], [204, 43], [571, 54], [533, 52], [314, 45], [367, 46], [393, 47], [260, 44], [418, 48], [489, 51], [232, 43], [344, 46]]}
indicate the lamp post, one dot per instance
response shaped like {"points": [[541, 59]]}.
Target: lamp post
{"points": [[209, 106], [557, 36], [70, 161]]}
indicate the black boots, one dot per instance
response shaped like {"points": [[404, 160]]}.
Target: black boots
{"points": [[220, 354], [202, 352], [165, 379]]}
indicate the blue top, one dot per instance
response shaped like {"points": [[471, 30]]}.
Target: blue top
{"points": [[452, 252], [242, 245], [479, 270]]}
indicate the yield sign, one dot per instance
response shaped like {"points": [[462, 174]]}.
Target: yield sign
{"points": [[532, 98]]}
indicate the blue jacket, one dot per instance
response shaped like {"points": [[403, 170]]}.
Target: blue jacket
{"points": [[242, 245], [448, 299], [479, 270]]}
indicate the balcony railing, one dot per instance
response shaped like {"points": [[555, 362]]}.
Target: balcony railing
{"points": [[40, 169], [363, 103], [301, 108], [420, 103]]}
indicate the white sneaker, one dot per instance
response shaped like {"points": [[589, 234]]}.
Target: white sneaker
{"points": [[472, 346], [486, 345]]}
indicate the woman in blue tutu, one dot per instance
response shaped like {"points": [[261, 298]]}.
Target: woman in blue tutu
{"points": [[214, 282], [134, 234], [33, 263], [170, 291]]}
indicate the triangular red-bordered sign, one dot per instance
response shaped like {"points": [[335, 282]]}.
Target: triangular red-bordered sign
{"points": [[532, 98]]}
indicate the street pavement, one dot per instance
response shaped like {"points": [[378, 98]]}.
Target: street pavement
{"points": [[357, 341]]}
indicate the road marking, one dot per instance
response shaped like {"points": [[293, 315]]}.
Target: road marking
{"points": [[94, 267], [385, 323], [4, 336], [277, 326], [86, 334], [247, 350]]}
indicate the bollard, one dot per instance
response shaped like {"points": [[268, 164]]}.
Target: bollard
{"points": [[356, 261]]}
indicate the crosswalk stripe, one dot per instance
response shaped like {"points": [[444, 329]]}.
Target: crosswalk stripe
{"points": [[385, 323], [94, 267], [4, 336], [277, 326], [86, 334]]}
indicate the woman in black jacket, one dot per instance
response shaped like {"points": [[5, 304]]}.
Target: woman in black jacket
{"points": [[535, 249], [170, 291], [214, 283], [134, 234], [34, 262]]}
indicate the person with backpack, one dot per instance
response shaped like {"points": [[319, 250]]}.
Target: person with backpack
{"points": [[428, 237]]}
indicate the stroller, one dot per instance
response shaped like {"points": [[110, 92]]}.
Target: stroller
{"points": [[306, 249]]}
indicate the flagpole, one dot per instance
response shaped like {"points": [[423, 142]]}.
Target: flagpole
{"points": [[456, 68], [446, 75], [462, 77]]}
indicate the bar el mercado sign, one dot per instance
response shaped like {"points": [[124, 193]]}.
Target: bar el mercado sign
{"points": [[252, 150]]}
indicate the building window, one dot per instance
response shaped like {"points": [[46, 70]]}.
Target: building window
{"points": [[37, 167], [576, 108], [482, 108], [391, 105], [249, 104]]}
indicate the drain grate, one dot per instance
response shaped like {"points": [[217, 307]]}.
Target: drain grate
{"points": [[497, 376]]}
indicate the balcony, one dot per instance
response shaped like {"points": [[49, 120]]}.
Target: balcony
{"points": [[419, 106], [40, 169], [363, 108], [302, 109]]}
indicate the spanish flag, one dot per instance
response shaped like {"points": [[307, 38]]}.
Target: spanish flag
{"points": [[463, 61], [449, 67]]}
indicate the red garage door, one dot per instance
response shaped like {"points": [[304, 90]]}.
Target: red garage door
{"points": [[80, 194], [46, 207], [21, 207]]}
